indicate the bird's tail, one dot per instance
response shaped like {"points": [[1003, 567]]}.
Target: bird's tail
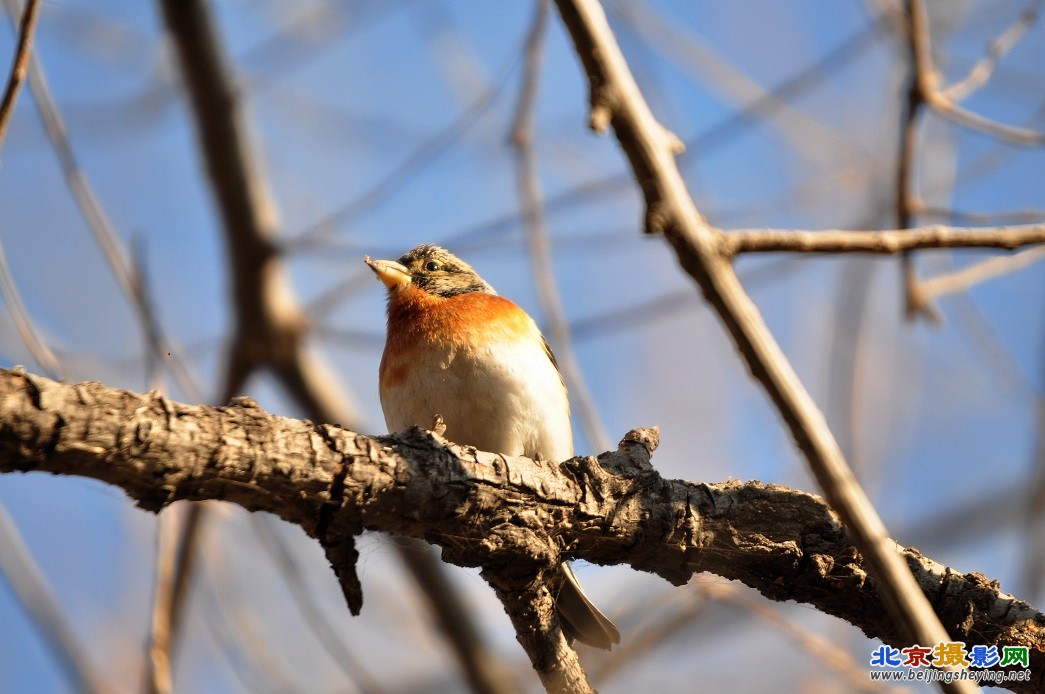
{"points": [[581, 620]]}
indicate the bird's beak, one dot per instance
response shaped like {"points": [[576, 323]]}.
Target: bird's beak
{"points": [[389, 271]]}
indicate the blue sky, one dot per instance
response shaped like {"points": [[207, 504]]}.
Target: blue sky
{"points": [[341, 94]]}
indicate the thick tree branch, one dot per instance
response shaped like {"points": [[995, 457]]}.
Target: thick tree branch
{"points": [[512, 516], [616, 100]]}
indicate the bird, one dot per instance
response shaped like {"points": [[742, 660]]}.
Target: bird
{"points": [[457, 350]]}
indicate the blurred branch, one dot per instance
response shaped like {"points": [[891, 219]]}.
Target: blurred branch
{"points": [[823, 652], [719, 135], [654, 635], [785, 543], [1032, 574], [20, 62], [529, 185], [421, 157], [981, 72], [36, 345], [270, 324], [132, 283], [8, 289], [176, 565], [230, 620], [617, 101], [484, 673], [929, 90], [329, 640], [920, 82], [1028, 216], [985, 270], [735, 242], [158, 678], [32, 590], [808, 138], [101, 227]]}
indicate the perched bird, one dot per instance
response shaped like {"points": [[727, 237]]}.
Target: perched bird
{"points": [[455, 348]]}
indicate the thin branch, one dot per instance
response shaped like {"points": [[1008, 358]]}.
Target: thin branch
{"points": [[1025, 216], [329, 640], [785, 543], [823, 652], [8, 288], [36, 345], [270, 324], [231, 622], [983, 69], [1012, 134], [654, 634], [616, 100], [158, 678], [101, 226], [921, 83], [880, 242], [484, 673], [19, 64], [813, 140], [32, 589], [928, 86], [529, 186], [1032, 573], [169, 615], [417, 161], [985, 270]]}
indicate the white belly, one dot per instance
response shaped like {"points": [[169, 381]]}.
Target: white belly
{"points": [[505, 398]]}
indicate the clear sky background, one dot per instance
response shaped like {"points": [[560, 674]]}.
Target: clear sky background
{"points": [[386, 124]]}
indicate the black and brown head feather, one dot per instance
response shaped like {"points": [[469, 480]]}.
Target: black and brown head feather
{"points": [[439, 272]]}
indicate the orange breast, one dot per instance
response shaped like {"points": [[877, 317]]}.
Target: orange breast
{"points": [[417, 319]]}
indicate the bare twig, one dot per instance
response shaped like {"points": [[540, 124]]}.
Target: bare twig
{"points": [[175, 571], [671, 210], [974, 121], [328, 638], [1032, 576], [881, 242], [928, 86], [822, 651], [20, 63], [1026, 216], [33, 591], [921, 82], [99, 223], [996, 50], [421, 157], [158, 678], [36, 345], [980, 272], [484, 673], [808, 138]]}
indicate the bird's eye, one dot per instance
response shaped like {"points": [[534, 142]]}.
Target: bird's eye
{"points": [[432, 266]]}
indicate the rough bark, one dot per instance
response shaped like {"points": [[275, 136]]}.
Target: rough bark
{"points": [[512, 516]]}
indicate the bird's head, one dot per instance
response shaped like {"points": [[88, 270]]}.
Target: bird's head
{"points": [[430, 269]]}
